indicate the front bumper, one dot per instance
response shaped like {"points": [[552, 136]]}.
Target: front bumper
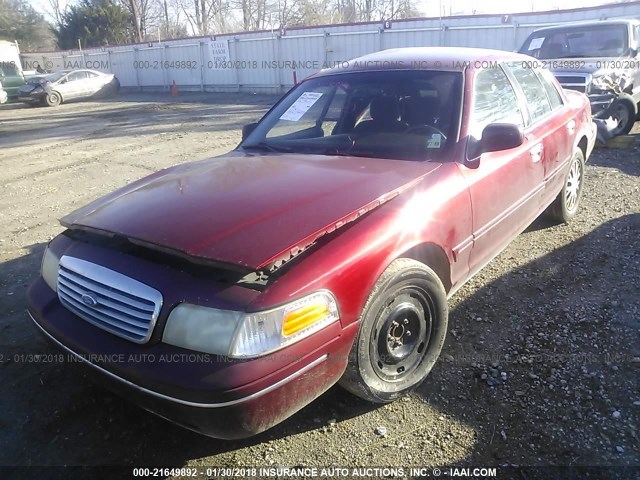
{"points": [[30, 98], [208, 395]]}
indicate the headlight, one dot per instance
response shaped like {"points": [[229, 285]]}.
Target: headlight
{"points": [[240, 335], [37, 90], [200, 328], [49, 270]]}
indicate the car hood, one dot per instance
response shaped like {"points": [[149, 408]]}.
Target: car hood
{"points": [[251, 211], [27, 87]]}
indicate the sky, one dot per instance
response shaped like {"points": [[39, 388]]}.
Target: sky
{"points": [[430, 8]]}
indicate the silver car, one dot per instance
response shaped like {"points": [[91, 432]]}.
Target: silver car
{"points": [[54, 88]]}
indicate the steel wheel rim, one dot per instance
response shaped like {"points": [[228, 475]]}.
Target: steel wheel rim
{"points": [[401, 335], [572, 189]]}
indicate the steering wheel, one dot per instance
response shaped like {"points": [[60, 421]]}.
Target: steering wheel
{"points": [[426, 130]]}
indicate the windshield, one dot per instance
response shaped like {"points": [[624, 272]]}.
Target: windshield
{"points": [[583, 42], [409, 115]]}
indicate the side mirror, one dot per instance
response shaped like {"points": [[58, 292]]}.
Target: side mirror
{"points": [[501, 136], [248, 128]]}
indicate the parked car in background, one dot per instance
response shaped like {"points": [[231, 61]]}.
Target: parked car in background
{"points": [[600, 59], [227, 294], [54, 88]]}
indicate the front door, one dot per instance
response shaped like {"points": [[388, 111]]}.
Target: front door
{"points": [[505, 186]]}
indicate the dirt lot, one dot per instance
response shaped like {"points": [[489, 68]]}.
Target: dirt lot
{"points": [[557, 314]]}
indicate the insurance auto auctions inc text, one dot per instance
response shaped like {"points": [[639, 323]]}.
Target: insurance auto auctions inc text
{"points": [[373, 472]]}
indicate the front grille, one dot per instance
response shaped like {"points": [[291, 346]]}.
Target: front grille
{"points": [[107, 299], [578, 82]]}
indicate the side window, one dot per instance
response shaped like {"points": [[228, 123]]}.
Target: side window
{"points": [[637, 35], [534, 92], [494, 102], [546, 77], [73, 76]]}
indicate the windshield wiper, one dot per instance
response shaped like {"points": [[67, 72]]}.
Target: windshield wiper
{"points": [[267, 147]]}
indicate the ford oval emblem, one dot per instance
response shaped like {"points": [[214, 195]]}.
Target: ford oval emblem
{"points": [[89, 300]]}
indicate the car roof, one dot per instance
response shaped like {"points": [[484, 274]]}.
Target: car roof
{"points": [[453, 59], [590, 23]]}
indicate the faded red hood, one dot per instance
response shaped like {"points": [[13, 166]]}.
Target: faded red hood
{"points": [[248, 210]]}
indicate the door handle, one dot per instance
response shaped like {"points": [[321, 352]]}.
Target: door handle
{"points": [[536, 153]]}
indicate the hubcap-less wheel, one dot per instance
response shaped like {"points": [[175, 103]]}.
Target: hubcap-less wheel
{"points": [[621, 116], [53, 99], [624, 114], [572, 188], [401, 335], [402, 329]]}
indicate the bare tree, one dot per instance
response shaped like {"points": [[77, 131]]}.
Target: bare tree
{"points": [[254, 13], [171, 23], [146, 16], [206, 16], [55, 10], [396, 9]]}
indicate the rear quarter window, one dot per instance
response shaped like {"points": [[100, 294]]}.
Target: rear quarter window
{"points": [[555, 99]]}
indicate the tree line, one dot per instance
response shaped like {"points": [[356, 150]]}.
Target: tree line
{"points": [[115, 22]]}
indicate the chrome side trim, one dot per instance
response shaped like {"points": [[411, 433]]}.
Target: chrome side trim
{"points": [[187, 403]]}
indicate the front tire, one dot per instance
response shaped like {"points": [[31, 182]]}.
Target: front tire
{"points": [[402, 331], [625, 114], [566, 204], [53, 99]]}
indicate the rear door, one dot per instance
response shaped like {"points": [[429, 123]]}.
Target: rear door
{"points": [[94, 83], [504, 186], [550, 129]]}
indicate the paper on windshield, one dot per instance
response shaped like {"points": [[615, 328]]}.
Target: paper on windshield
{"points": [[301, 106], [536, 43]]}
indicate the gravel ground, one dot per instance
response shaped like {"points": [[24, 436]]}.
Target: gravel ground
{"points": [[541, 364]]}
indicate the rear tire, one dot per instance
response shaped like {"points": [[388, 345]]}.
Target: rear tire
{"points": [[53, 99], [566, 204], [402, 331]]}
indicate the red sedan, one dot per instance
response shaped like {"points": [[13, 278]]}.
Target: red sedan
{"points": [[227, 294]]}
